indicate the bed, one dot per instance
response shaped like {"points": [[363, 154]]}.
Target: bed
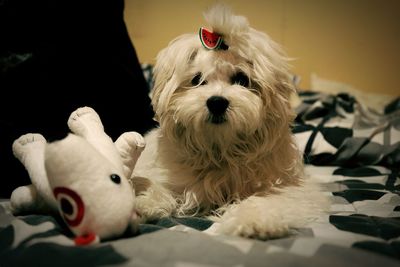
{"points": [[353, 151]]}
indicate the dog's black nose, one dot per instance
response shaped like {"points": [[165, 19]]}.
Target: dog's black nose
{"points": [[217, 105]]}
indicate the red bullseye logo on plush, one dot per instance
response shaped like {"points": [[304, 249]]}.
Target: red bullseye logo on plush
{"points": [[71, 205]]}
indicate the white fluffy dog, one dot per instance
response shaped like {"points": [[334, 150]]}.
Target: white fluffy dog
{"points": [[224, 146]]}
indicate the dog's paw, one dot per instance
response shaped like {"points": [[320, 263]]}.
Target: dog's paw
{"points": [[83, 119], [148, 209], [28, 144], [152, 201], [252, 223], [252, 229]]}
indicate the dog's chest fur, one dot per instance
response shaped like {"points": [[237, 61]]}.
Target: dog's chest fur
{"points": [[201, 180]]}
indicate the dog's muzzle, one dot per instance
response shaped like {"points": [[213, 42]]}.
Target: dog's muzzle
{"points": [[217, 106]]}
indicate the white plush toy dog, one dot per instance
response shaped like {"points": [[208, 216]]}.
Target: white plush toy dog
{"points": [[84, 176], [224, 146]]}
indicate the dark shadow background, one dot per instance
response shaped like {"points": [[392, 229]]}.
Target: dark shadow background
{"points": [[56, 56]]}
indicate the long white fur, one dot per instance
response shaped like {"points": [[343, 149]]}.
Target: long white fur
{"points": [[248, 171]]}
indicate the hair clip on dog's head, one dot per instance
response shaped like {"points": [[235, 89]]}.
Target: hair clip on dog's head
{"points": [[211, 40]]}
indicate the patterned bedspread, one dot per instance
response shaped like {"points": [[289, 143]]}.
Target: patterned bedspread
{"points": [[352, 151]]}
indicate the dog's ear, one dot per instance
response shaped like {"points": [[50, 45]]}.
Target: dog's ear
{"points": [[170, 68], [284, 86], [272, 71], [270, 63]]}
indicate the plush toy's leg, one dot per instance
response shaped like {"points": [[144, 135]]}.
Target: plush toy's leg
{"points": [[26, 199], [130, 145], [86, 123], [29, 149], [23, 199]]}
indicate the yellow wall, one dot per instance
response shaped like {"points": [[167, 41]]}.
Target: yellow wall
{"points": [[352, 41]]}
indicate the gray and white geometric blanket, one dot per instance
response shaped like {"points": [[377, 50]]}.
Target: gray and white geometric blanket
{"points": [[352, 151]]}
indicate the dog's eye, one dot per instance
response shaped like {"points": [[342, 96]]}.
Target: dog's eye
{"points": [[241, 79], [197, 80]]}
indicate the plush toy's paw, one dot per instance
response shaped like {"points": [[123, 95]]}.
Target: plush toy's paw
{"points": [[130, 145], [28, 145], [134, 140], [26, 199], [22, 199], [83, 120]]}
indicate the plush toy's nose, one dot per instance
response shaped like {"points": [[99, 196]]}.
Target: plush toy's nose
{"points": [[217, 105]]}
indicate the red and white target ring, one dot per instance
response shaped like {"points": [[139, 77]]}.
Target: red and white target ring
{"points": [[72, 207]]}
